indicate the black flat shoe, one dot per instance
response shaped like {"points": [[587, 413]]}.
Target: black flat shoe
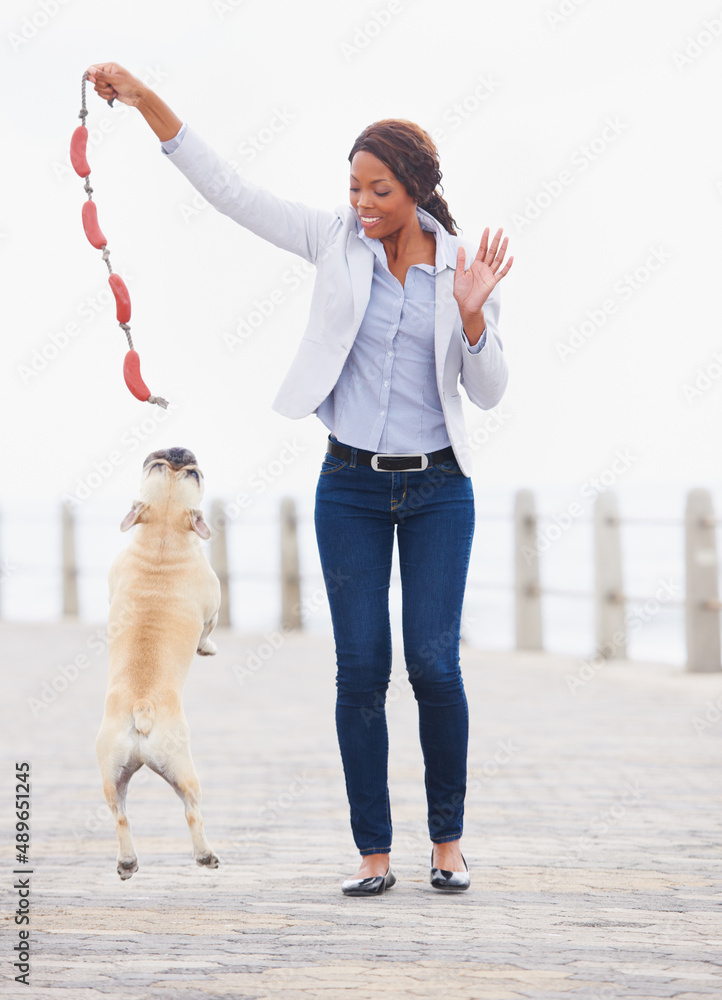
{"points": [[373, 886], [456, 881]]}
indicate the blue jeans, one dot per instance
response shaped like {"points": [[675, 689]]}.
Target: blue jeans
{"points": [[358, 510]]}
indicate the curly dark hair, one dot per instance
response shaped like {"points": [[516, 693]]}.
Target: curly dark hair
{"points": [[410, 153]]}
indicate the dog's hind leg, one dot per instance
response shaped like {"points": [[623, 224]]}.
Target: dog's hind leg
{"points": [[178, 770], [118, 763], [115, 788]]}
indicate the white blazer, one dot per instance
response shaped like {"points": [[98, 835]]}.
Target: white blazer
{"points": [[341, 292]]}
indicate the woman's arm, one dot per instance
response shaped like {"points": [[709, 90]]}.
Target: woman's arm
{"points": [[291, 225], [473, 287], [287, 224], [112, 81], [485, 375]]}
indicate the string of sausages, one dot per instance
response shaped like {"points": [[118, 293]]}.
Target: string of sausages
{"points": [[79, 161]]}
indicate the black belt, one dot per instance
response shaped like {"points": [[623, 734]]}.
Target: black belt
{"points": [[391, 463]]}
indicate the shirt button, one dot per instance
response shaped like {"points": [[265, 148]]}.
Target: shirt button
{"points": [[391, 354], [381, 413], [386, 382]]}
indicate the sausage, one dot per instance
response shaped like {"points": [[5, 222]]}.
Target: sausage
{"points": [[78, 145], [90, 225], [122, 298], [131, 374]]}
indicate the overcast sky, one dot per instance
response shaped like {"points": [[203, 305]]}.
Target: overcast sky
{"points": [[589, 131]]}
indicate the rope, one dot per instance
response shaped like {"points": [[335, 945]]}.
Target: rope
{"points": [[96, 238], [83, 110], [126, 329]]}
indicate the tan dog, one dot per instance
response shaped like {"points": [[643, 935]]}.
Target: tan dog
{"points": [[164, 600]]}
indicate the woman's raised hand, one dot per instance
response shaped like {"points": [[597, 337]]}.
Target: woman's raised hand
{"points": [[473, 287], [112, 81]]}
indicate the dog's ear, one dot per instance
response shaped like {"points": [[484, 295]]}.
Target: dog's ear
{"points": [[198, 524], [133, 515]]}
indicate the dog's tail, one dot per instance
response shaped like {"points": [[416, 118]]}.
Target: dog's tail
{"points": [[143, 715]]}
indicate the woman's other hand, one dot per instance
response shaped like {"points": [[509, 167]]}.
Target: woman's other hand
{"points": [[473, 287]]}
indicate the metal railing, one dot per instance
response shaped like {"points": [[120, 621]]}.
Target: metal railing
{"points": [[701, 600]]}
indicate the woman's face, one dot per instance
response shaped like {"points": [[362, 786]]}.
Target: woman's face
{"points": [[380, 200]]}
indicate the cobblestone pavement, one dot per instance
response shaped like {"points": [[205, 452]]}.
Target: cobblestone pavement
{"points": [[593, 833]]}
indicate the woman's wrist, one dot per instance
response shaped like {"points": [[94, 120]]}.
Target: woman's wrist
{"points": [[164, 122], [474, 326]]}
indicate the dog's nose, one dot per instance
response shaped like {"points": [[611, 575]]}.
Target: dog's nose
{"points": [[176, 457]]}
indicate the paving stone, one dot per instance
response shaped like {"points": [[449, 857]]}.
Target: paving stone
{"points": [[593, 829]]}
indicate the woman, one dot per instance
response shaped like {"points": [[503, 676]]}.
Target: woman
{"points": [[396, 322]]}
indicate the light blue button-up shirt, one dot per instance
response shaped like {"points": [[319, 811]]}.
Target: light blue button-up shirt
{"points": [[386, 398]]}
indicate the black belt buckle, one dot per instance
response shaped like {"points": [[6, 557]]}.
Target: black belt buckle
{"points": [[399, 463]]}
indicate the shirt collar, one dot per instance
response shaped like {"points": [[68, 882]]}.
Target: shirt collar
{"points": [[445, 247]]}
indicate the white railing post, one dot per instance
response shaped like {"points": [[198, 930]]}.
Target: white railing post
{"points": [[608, 579], [290, 575], [219, 559], [526, 573], [702, 589], [70, 565]]}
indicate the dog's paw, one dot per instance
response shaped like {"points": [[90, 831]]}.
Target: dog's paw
{"points": [[207, 649], [208, 860], [126, 867]]}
